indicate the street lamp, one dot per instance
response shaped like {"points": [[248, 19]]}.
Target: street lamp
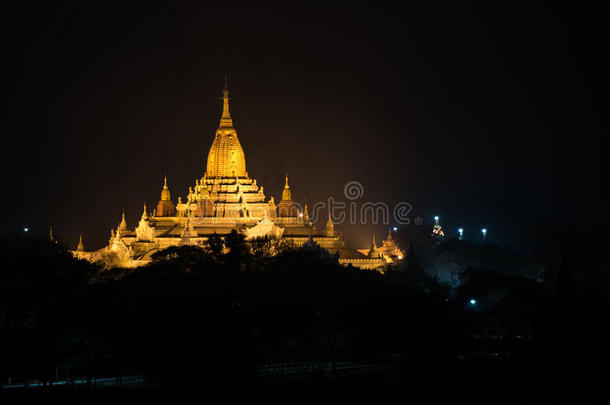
{"points": [[461, 232], [484, 232]]}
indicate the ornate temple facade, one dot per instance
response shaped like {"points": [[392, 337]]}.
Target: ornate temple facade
{"points": [[225, 198]]}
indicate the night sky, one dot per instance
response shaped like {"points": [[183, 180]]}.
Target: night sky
{"points": [[487, 115]]}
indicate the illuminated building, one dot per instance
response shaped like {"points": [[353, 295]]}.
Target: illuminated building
{"points": [[225, 198], [438, 229], [389, 249]]}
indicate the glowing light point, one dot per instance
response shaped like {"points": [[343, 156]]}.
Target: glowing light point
{"points": [[26, 229], [437, 230], [395, 229], [484, 232], [461, 232], [473, 301]]}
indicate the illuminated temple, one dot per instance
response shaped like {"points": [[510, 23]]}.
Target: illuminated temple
{"points": [[225, 198]]}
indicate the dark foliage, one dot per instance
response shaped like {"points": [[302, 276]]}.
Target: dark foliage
{"points": [[197, 318]]}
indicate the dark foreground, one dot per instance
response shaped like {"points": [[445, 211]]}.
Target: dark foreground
{"points": [[296, 325], [497, 378]]}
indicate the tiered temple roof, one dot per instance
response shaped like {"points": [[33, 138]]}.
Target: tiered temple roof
{"points": [[225, 198]]}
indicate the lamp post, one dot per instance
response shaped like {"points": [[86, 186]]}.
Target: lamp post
{"points": [[461, 232]]}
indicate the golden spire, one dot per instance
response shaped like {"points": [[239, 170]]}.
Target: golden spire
{"points": [[329, 230], [226, 157], [123, 224], [373, 252], [389, 235], [165, 194], [144, 213], [286, 194], [80, 247], [225, 119]]}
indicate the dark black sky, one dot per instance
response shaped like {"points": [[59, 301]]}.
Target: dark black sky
{"points": [[483, 114]]}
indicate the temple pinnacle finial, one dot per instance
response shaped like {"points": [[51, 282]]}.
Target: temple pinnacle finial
{"points": [[373, 245], [144, 213], [373, 252], [329, 230], [80, 247], [123, 224], [51, 234], [286, 194], [165, 194], [225, 119]]}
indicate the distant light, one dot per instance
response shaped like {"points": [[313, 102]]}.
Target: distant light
{"points": [[301, 214], [484, 231], [436, 218], [461, 231], [399, 257], [26, 229], [394, 229], [473, 301]]}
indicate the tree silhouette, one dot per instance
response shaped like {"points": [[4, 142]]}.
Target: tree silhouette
{"points": [[214, 245], [412, 267]]}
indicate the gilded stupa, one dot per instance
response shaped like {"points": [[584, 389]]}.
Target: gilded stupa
{"points": [[225, 198]]}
